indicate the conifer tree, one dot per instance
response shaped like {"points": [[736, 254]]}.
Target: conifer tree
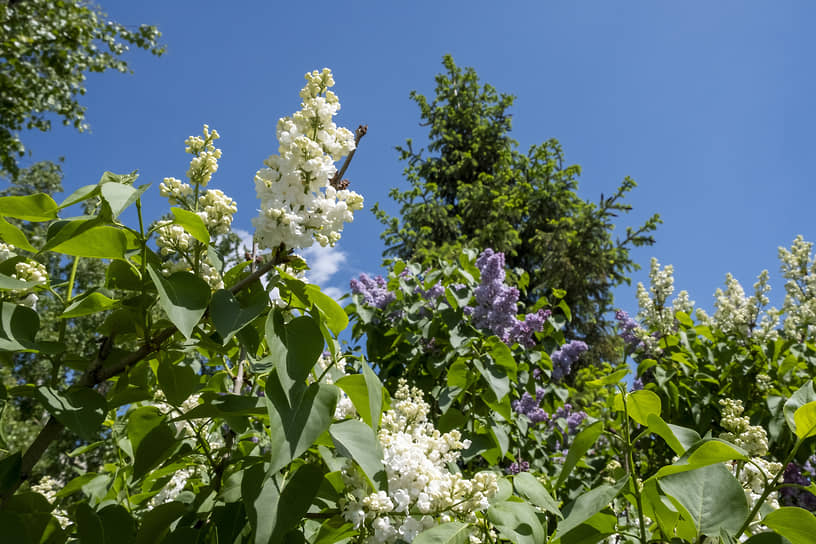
{"points": [[472, 187]]}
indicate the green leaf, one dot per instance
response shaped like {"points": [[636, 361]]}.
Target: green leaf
{"points": [[453, 532], [19, 326], [711, 496], [89, 525], [183, 297], [178, 381], [261, 495], [83, 193], [375, 396], [495, 376], [295, 500], [152, 440], [802, 396], [593, 530], [304, 344], [229, 316], [356, 440], [122, 275], [334, 530], [156, 522], [610, 379], [767, 538], [93, 303], [15, 237], [192, 223], [296, 426], [502, 355], [796, 524], [274, 512], [336, 317], [639, 405], [36, 207], [582, 442], [79, 408], [119, 196], [226, 405], [119, 526], [527, 485], [86, 238], [706, 452], [805, 420], [588, 504], [10, 468], [276, 336], [660, 428], [366, 394], [517, 522]]}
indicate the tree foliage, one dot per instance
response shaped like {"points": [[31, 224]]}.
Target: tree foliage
{"points": [[474, 188], [22, 415], [47, 49]]}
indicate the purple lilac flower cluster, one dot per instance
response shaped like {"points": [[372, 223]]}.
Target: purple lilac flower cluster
{"points": [[563, 358], [431, 294], [528, 406], [374, 291], [794, 474], [517, 466], [573, 419], [496, 304]]}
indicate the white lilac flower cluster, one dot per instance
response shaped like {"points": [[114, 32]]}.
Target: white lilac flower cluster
{"points": [[756, 474], [798, 267], [421, 489], [655, 311], [735, 313], [298, 203], [196, 429], [213, 207], [29, 271], [48, 487]]}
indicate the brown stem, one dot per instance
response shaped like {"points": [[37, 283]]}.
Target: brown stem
{"points": [[337, 181]]}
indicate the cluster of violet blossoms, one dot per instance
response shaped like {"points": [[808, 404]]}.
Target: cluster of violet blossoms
{"points": [[628, 329], [496, 304], [373, 290], [564, 357], [799, 475], [528, 406]]}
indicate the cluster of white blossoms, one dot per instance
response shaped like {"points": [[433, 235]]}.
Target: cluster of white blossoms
{"points": [[421, 489], [735, 313], [214, 208], [799, 269], [751, 438], [754, 475], [205, 156], [298, 203], [29, 271], [655, 312], [48, 487], [198, 429]]}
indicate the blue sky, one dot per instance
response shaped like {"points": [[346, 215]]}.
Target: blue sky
{"points": [[707, 105]]}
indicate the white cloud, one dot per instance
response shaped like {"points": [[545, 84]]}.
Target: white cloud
{"points": [[333, 292], [324, 262]]}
